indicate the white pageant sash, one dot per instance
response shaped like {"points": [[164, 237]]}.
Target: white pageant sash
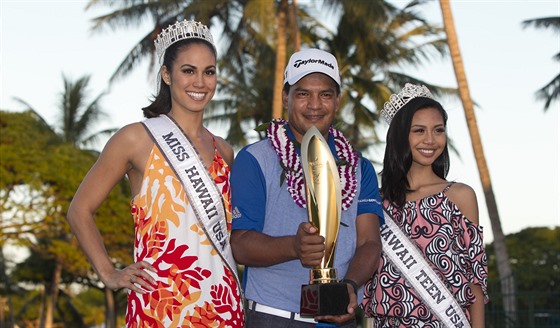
{"points": [[204, 197], [415, 269]]}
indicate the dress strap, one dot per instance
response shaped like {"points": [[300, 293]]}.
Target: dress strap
{"points": [[213, 140], [447, 187], [217, 156]]}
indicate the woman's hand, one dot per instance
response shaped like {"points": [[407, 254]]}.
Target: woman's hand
{"points": [[134, 277]]}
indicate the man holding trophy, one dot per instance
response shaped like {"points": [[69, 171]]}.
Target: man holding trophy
{"points": [[306, 208]]}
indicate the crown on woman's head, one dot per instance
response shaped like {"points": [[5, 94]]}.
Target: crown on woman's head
{"points": [[186, 29], [397, 101]]}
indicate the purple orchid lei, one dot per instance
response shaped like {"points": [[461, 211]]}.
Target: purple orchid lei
{"points": [[347, 163]]}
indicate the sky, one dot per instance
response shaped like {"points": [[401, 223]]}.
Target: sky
{"points": [[42, 40]]}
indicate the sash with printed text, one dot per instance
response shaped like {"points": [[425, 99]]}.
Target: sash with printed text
{"points": [[419, 274], [204, 197]]}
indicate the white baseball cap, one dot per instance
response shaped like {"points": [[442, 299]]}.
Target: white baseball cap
{"points": [[309, 61]]}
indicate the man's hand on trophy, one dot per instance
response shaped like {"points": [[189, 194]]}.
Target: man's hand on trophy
{"points": [[309, 245], [352, 306]]}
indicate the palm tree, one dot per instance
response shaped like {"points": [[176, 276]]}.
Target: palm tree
{"points": [[162, 13], [372, 40], [268, 15], [252, 67], [504, 266], [257, 18], [551, 91], [280, 58], [75, 117]]}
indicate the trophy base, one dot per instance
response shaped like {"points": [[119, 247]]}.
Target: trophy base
{"points": [[324, 299]]}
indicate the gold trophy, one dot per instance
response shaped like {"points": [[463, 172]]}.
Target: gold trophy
{"points": [[324, 295]]}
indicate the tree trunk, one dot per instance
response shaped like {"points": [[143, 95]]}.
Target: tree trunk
{"points": [[110, 309], [42, 308], [280, 60], [295, 26], [52, 294], [6, 302], [502, 257]]}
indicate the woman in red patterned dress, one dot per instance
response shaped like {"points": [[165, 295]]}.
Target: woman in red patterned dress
{"points": [[438, 217], [179, 278]]}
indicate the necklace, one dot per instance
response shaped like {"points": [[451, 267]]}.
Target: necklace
{"points": [[292, 170]]}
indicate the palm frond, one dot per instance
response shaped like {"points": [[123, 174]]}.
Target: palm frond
{"points": [[550, 92], [36, 114], [552, 22]]}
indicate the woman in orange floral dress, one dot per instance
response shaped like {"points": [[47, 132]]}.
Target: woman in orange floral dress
{"points": [[181, 276]]}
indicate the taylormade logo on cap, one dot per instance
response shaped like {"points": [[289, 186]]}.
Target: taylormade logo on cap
{"points": [[298, 62], [309, 61]]}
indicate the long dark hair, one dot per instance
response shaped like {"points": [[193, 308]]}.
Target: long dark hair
{"points": [[161, 104], [398, 157]]}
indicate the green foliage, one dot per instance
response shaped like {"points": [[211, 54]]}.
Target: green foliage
{"points": [[39, 175], [535, 260], [372, 40], [28, 270], [67, 313], [91, 304], [51, 171], [115, 223], [22, 141], [28, 305]]}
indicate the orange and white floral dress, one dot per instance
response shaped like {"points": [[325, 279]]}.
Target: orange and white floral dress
{"points": [[194, 286]]}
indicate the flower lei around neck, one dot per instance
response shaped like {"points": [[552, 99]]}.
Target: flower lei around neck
{"points": [[291, 164]]}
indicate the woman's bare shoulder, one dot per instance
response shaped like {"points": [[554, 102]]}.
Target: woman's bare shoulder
{"points": [[127, 141], [132, 130], [464, 197], [129, 135]]}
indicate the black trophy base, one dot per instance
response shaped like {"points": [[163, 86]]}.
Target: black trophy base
{"points": [[324, 299]]}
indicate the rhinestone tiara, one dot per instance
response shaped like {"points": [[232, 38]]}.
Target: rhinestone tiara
{"points": [[397, 101], [181, 30]]}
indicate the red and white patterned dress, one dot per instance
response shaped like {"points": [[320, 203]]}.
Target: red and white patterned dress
{"points": [[194, 286], [452, 245]]}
